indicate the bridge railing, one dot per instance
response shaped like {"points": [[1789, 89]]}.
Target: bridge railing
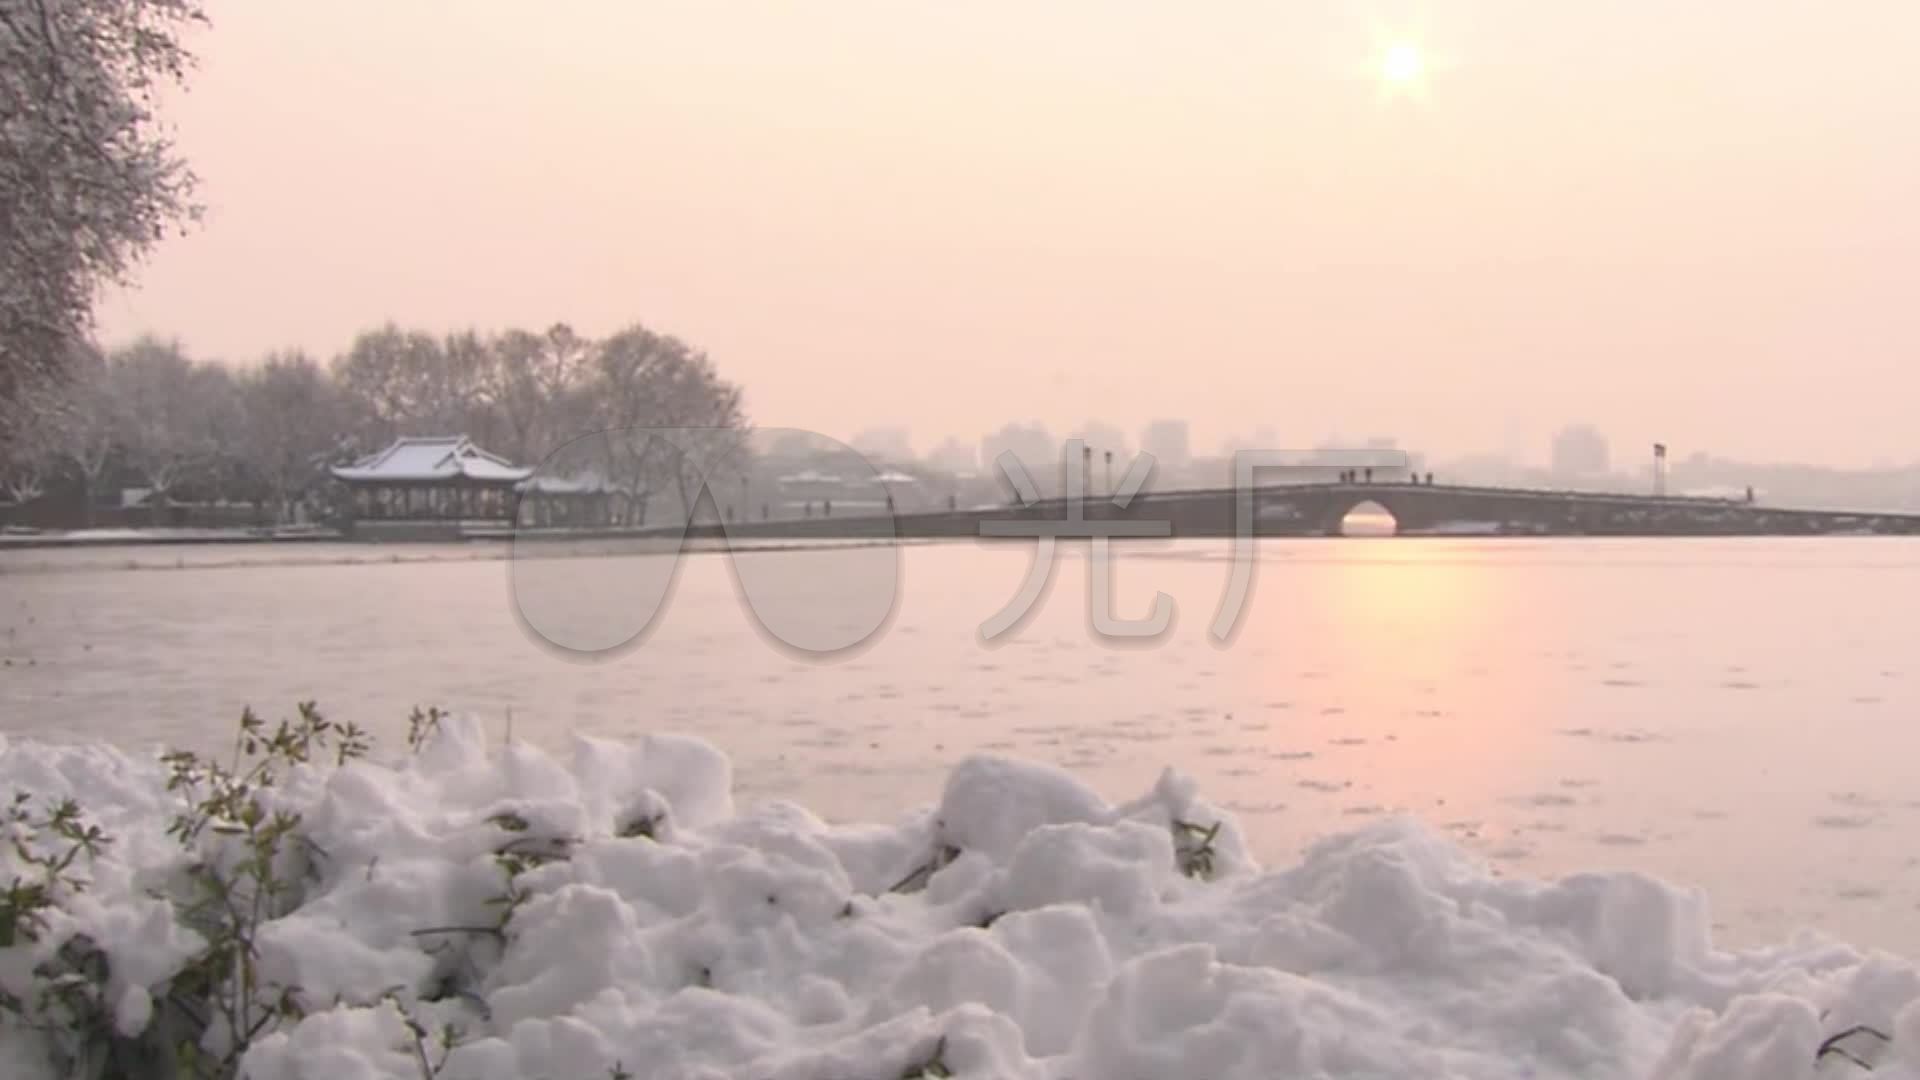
{"points": [[1564, 494]]}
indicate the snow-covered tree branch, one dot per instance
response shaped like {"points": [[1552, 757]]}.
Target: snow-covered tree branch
{"points": [[88, 182]]}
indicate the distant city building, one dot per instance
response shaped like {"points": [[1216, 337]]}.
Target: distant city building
{"points": [[1580, 450], [884, 445], [796, 444], [1263, 438], [1167, 441], [1101, 438], [1031, 444], [954, 456]]}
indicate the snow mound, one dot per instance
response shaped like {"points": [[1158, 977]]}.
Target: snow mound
{"points": [[1022, 928]]}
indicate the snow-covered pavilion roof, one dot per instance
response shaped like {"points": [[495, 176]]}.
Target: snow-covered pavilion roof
{"points": [[430, 458], [809, 476]]}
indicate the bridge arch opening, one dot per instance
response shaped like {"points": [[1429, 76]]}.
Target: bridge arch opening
{"points": [[1368, 518]]}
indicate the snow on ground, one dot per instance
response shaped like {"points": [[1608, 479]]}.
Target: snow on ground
{"points": [[103, 537], [119, 535], [1022, 928]]}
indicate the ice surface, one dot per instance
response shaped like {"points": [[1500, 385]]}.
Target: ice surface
{"points": [[1046, 934]]}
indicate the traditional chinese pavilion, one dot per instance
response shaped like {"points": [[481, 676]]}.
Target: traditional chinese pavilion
{"points": [[445, 486], [441, 480]]}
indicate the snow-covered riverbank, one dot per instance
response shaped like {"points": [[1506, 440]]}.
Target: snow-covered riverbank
{"points": [[20, 539], [1022, 928]]}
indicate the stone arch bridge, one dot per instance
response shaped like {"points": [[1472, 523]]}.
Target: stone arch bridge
{"points": [[1318, 509]]}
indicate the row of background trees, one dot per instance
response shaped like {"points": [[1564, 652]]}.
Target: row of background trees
{"points": [[151, 414]]}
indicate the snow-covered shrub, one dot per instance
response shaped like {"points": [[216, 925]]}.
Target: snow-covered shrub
{"points": [[53, 985], [247, 864], [179, 989]]}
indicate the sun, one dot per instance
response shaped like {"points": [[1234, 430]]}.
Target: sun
{"points": [[1402, 64]]}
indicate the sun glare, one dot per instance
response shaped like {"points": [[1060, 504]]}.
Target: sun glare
{"points": [[1401, 66]]}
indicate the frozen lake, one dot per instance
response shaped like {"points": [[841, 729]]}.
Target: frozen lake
{"points": [[1734, 715]]}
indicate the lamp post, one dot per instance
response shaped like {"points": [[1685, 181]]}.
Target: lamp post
{"points": [[1109, 473], [1659, 469]]}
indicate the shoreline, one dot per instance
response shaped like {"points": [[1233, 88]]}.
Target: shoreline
{"points": [[94, 538], [865, 531]]}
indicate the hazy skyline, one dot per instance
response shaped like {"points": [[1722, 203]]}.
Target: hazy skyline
{"points": [[1690, 224]]}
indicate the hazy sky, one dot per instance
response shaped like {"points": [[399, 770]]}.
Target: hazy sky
{"points": [[1694, 222]]}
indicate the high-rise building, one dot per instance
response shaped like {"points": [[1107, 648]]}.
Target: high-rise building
{"points": [[1263, 438], [1030, 443], [1102, 438], [1579, 450], [1167, 441], [884, 445], [955, 456]]}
